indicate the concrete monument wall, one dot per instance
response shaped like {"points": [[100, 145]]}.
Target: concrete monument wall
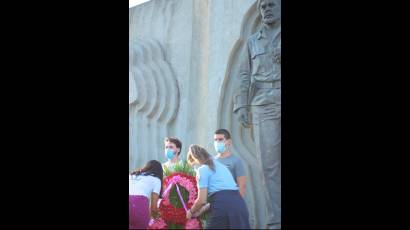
{"points": [[184, 70]]}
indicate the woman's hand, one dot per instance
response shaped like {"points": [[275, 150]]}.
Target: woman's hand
{"points": [[189, 214], [154, 215], [200, 200]]}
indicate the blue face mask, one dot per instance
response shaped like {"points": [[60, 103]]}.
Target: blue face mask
{"points": [[169, 153], [219, 147]]}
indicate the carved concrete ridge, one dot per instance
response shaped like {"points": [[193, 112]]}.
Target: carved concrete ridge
{"points": [[153, 97]]}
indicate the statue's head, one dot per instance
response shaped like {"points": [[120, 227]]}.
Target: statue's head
{"points": [[269, 10]]}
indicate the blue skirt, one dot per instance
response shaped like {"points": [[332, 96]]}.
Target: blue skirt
{"points": [[228, 211]]}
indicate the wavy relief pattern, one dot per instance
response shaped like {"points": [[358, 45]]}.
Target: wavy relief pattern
{"points": [[153, 101]]}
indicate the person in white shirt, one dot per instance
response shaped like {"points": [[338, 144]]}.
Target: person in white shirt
{"points": [[144, 184], [173, 148]]}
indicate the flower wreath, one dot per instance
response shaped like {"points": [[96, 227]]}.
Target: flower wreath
{"points": [[180, 183], [161, 224]]}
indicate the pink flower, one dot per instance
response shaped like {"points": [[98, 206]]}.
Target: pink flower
{"points": [[192, 224], [177, 215], [165, 201], [157, 224]]}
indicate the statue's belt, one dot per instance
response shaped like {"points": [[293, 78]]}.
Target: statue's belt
{"points": [[267, 84]]}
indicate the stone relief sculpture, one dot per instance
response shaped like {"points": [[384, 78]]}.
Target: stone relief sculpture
{"points": [[153, 100], [253, 84]]}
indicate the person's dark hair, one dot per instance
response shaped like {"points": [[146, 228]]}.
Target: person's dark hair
{"points": [[152, 168], [224, 132], [176, 141]]}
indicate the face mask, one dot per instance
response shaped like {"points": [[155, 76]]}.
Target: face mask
{"points": [[219, 147], [169, 153]]}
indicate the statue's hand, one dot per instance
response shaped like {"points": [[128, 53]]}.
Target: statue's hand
{"points": [[277, 55], [243, 117]]}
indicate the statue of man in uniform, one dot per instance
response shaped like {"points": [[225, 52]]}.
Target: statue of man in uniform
{"points": [[260, 94]]}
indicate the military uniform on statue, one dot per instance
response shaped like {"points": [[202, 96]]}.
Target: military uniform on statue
{"points": [[261, 96]]}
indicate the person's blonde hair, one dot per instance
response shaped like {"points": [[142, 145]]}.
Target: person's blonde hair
{"points": [[198, 153]]}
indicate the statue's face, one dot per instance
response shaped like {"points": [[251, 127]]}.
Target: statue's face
{"points": [[270, 11]]}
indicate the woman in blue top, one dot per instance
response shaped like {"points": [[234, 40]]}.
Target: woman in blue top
{"points": [[216, 184]]}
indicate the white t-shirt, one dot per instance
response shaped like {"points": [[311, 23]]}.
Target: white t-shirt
{"points": [[144, 185]]}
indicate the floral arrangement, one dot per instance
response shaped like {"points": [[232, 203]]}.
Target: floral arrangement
{"points": [[161, 224], [178, 197]]}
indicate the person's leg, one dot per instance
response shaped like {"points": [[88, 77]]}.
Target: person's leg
{"points": [[267, 133], [138, 212], [132, 218], [217, 217], [238, 215], [271, 163]]}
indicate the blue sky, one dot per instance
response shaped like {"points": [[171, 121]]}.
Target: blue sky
{"points": [[136, 2]]}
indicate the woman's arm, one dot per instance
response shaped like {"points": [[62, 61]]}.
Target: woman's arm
{"points": [[154, 207], [199, 202]]}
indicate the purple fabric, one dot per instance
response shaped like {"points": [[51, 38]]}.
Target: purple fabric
{"points": [[138, 212]]}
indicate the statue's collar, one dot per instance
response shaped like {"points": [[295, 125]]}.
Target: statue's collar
{"points": [[262, 32]]}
